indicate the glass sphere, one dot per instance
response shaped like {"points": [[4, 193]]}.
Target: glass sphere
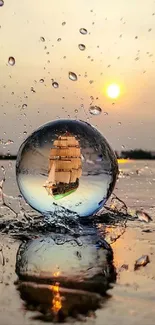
{"points": [[66, 164]]}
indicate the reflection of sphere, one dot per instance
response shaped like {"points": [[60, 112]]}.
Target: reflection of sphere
{"points": [[67, 164], [67, 277]]}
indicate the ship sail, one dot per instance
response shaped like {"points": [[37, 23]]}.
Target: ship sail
{"points": [[51, 176], [65, 167]]}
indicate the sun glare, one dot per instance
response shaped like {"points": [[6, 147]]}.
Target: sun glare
{"points": [[113, 91]]}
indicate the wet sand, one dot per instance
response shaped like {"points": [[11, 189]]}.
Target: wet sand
{"points": [[132, 297], [131, 300]]}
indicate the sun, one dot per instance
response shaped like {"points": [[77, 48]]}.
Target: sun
{"points": [[113, 91]]}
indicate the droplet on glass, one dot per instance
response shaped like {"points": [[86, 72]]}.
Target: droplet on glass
{"points": [[95, 110], [83, 31], [55, 84], [24, 106], [76, 110], [137, 58], [42, 39], [1, 3], [81, 47], [41, 81], [9, 142], [149, 30], [63, 23], [11, 60], [59, 39], [91, 81], [136, 37], [72, 76], [56, 193]]}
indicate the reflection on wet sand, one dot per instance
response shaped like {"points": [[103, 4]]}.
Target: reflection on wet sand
{"points": [[64, 280]]}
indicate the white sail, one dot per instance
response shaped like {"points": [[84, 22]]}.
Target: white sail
{"points": [[51, 176]]}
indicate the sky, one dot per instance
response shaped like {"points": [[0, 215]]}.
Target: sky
{"points": [[120, 48]]}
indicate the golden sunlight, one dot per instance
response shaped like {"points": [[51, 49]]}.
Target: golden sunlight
{"points": [[113, 90]]}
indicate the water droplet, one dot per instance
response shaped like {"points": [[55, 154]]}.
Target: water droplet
{"points": [[119, 123], [91, 81], [32, 90], [95, 110], [76, 110], [81, 47], [72, 76], [122, 146], [149, 30], [136, 37], [42, 39], [137, 58], [1, 3], [55, 84], [9, 142], [83, 31], [41, 81], [63, 23], [62, 199], [24, 106], [11, 60]]}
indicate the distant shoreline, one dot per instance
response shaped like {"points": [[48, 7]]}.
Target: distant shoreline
{"points": [[119, 159], [8, 157]]}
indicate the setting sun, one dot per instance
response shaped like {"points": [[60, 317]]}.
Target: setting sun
{"points": [[113, 91]]}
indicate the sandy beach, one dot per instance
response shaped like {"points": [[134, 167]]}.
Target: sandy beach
{"points": [[131, 300]]}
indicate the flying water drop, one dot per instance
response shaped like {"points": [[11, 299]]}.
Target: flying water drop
{"points": [[72, 76], [24, 106], [55, 84], [95, 110], [81, 47], [83, 31], [42, 39], [11, 60]]}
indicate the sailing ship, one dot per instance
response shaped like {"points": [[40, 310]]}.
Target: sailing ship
{"points": [[65, 166]]}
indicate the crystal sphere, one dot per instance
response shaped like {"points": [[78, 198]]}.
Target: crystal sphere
{"points": [[66, 164]]}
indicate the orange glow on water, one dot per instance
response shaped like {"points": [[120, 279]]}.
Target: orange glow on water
{"points": [[56, 302]]}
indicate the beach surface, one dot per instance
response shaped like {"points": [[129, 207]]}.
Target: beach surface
{"points": [[131, 299]]}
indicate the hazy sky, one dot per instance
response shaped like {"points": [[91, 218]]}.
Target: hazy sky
{"points": [[120, 47]]}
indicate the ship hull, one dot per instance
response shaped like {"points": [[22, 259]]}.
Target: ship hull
{"points": [[61, 190]]}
